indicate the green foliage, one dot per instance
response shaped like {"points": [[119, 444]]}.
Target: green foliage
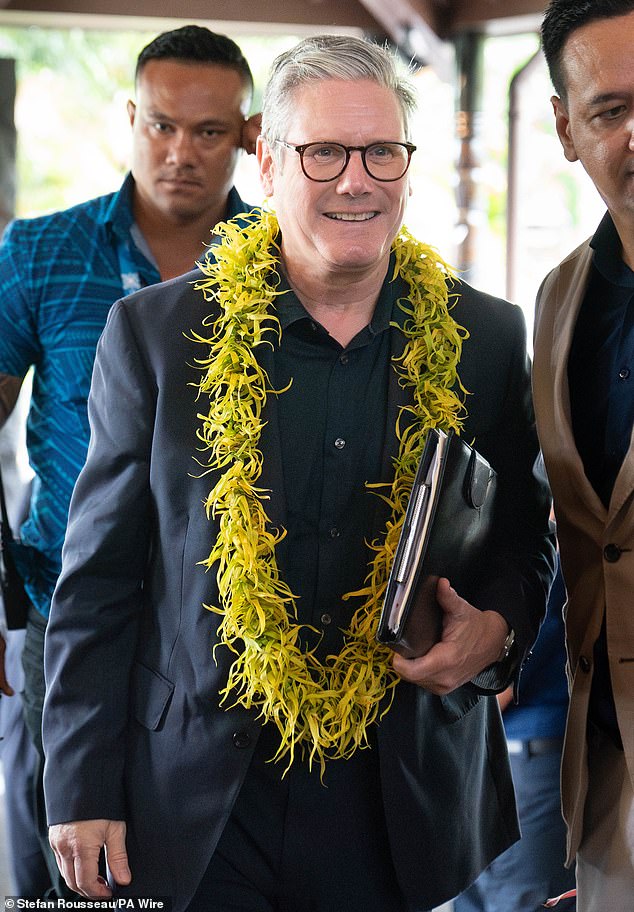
{"points": [[96, 61]]}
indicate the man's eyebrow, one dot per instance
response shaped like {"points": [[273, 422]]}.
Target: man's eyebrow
{"points": [[608, 96], [154, 114]]}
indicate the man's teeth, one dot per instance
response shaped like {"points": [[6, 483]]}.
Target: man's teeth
{"points": [[351, 216]]}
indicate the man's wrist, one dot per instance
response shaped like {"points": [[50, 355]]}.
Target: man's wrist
{"points": [[507, 645]]}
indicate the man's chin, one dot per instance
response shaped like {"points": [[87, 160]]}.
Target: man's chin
{"points": [[361, 259]]}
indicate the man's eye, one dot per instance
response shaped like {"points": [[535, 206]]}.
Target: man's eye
{"points": [[325, 153], [380, 153], [160, 127], [612, 113]]}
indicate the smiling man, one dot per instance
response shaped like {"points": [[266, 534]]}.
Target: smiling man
{"points": [[584, 400], [246, 743], [60, 274]]}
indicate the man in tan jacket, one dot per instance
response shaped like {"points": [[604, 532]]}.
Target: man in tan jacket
{"points": [[583, 389]]}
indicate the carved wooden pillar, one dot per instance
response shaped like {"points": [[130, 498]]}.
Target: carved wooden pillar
{"points": [[469, 57]]}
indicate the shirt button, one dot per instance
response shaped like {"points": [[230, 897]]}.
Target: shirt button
{"points": [[241, 739], [334, 532], [611, 553], [624, 373], [340, 443], [343, 359], [326, 619], [585, 664]]}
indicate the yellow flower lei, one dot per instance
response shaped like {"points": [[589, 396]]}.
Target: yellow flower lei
{"points": [[324, 708]]}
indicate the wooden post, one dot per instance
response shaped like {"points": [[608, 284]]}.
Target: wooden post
{"points": [[7, 141], [469, 60]]}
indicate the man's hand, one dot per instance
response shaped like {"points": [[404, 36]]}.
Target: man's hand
{"points": [[77, 847], [5, 687], [471, 640], [250, 132]]}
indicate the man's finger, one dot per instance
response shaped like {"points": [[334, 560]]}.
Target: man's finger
{"points": [[66, 869], [86, 870], [250, 132], [5, 687]]}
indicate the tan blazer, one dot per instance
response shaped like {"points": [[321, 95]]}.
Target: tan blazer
{"points": [[585, 529]]}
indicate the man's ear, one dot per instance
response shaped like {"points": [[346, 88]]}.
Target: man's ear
{"points": [[131, 111], [267, 165], [250, 132], [562, 125]]}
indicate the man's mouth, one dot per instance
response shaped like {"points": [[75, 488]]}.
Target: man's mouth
{"points": [[179, 180], [351, 216]]}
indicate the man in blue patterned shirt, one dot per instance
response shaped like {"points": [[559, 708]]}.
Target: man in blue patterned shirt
{"points": [[59, 275]]}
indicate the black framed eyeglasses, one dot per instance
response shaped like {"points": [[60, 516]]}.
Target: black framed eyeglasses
{"points": [[326, 161]]}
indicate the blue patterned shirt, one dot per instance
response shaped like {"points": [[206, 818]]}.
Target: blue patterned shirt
{"points": [[59, 276]]}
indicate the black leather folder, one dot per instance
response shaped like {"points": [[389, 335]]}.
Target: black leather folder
{"points": [[447, 531]]}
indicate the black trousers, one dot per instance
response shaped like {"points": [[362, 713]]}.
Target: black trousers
{"points": [[33, 704], [294, 844]]}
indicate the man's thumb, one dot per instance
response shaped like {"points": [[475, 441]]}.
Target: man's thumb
{"points": [[116, 855], [447, 597]]}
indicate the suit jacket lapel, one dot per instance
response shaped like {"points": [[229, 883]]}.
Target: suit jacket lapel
{"points": [[624, 484], [570, 289], [398, 397]]}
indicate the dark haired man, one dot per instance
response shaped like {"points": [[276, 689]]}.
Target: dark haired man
{"points": [[584, 400], [59, 275]]}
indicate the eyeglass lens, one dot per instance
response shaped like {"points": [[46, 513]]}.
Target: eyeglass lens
{"points": [[383, 161]]}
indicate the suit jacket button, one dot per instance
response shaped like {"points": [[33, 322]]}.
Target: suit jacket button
{"points": [[241, 739], [611, 553], [585, 664]]}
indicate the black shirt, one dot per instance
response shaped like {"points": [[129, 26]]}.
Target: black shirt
{"points": [[602, 402], [601, 364], [332, 427]]}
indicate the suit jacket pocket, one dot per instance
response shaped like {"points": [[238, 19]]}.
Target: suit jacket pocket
{"points": [[458, 703], [151, 696]]}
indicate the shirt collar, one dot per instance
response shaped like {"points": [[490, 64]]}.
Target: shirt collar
{"points": [[607, 258], [119, 216], [236, 205]]}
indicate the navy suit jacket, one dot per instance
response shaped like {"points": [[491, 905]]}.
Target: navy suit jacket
{"points": [[133, 729]]}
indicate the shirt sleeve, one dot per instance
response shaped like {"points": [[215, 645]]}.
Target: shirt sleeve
{"points": [[19, 294]]}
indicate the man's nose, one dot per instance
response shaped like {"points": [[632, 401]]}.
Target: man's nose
{"points": [[180, 149], [355, 179]]}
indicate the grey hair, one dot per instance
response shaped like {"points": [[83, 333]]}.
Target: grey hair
{"points": [[330, 57]]}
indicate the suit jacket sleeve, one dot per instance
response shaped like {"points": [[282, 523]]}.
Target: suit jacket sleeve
{"points": [[98, 601], [501, 425]]}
